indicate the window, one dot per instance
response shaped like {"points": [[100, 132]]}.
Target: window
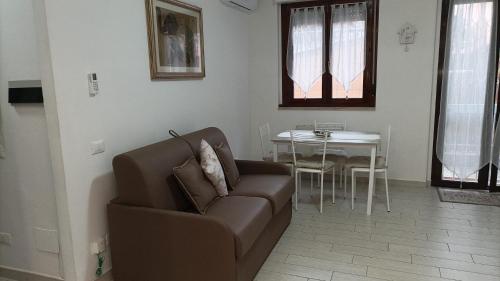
{"points": [[329, 53]]}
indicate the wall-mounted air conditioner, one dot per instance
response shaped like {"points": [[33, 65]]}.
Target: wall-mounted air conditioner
{"points": [[242, 5]]}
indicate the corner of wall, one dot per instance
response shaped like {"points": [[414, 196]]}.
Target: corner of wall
{"points": [[51, 111]]}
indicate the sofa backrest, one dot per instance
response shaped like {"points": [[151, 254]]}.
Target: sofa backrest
{"points": [[145, 176], [213, 136]]}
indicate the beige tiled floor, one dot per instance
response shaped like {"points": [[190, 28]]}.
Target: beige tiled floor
{"points": [[421, 239]]}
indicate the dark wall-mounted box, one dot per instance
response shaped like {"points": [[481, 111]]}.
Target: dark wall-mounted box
{"points": [[25, 91]]}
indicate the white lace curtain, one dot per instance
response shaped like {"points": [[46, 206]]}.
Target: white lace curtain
{"points": [[465, 129], [305, 55], [348, 40]]}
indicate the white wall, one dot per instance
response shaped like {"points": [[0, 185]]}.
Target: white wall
{"points": [[404, 86], [239, 93], [109, 38], [26, 182]]}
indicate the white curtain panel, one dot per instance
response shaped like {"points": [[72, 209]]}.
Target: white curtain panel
{"points": [[348, 40], [305, 55], [465, 129]]}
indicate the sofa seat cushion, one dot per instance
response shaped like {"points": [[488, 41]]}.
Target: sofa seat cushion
{"points": [[278, 189], [246, 217]]}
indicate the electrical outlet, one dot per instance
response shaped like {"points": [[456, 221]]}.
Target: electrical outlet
{"points": [[5, 238], [46, 240], [98, 246]]}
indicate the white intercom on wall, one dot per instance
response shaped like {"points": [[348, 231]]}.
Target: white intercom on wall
{"points": [[93, 84]]}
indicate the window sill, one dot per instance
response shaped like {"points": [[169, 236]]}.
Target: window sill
{"points": [[326, 106]]}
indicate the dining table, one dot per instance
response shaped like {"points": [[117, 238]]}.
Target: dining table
{"points": [[339, 139]]}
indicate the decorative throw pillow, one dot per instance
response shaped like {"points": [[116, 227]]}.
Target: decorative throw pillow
{"points": [[193, 182], [212, 168], [228, 164]]}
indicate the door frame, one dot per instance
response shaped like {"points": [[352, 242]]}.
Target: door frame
{"points": [[485, 180]]}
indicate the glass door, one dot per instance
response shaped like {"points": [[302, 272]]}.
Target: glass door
{"points": [[464, 120]]}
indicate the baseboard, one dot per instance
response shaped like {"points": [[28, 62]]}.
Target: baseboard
{"points": [[25, 275], [409, 183], [397, 182], [106, 277], [364, 179]]}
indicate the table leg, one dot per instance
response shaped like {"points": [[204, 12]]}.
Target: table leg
{"points": [[371, 180], [275, 152]]}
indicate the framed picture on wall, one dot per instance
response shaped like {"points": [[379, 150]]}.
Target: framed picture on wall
{"points": [[175, 36]]}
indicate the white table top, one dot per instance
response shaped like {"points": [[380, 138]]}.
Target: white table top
{"points": [[337, 137]]}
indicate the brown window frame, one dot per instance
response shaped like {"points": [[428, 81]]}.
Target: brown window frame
{"points": [[370, 73]]}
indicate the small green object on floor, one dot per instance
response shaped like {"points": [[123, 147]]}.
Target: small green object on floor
{"points": [[100, 263]]}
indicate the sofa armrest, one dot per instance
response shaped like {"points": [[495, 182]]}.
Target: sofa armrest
{"points": [[157, 245], [248, 167]]}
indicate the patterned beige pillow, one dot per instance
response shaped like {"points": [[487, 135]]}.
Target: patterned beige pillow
{"points": [[212, 168]]}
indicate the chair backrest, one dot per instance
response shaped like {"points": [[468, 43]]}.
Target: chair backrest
{"points": [[330, 126], [299, 139], [305, 127], [388, 148], [265, 140]]}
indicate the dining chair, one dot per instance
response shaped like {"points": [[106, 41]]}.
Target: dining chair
{"points": [[311, 165], [330, 126], [309, 151], [338, 155], [267, 149], [361, 164]]}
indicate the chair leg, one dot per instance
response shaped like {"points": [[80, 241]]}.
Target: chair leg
{"points": [[340, 180], [300, 183], [345, 183], [340, 173], [353, 189], [321, 195], [333, 186], [312, 182], [297, 179], [387, 192]]}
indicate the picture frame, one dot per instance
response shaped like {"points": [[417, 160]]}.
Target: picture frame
{"points": [[175, 39]]}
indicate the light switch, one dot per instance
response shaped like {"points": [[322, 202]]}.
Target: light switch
{"points": [[5, 238], [97, 147]]}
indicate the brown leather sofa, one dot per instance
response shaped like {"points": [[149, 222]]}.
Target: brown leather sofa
{"points": [[156, 236]]}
